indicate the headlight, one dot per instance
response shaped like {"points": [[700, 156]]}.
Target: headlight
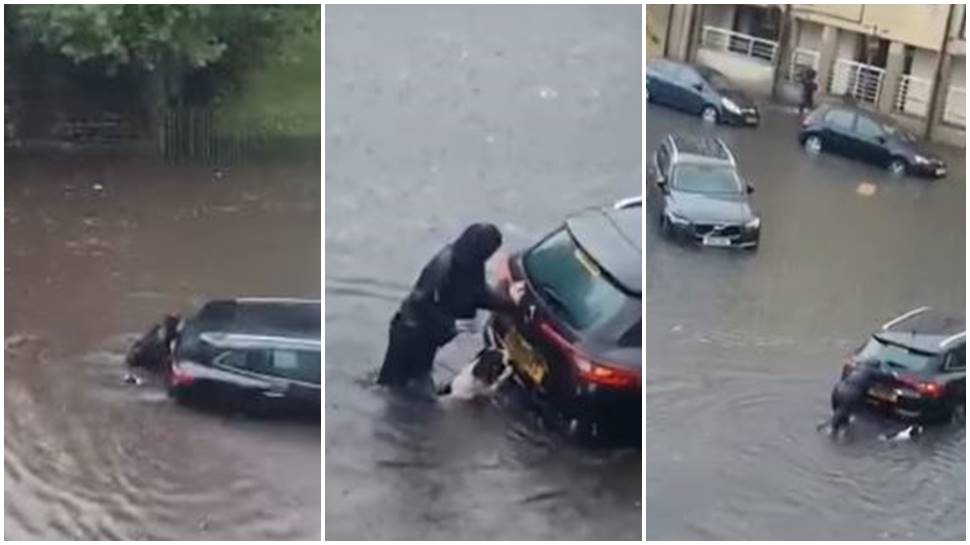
{"points": [[676, 218], [730, 106], [921, 160], [753, 224]]}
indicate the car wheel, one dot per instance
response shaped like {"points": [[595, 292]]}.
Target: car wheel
{"points": [[813, 144], [897, 167], [709, 114]]}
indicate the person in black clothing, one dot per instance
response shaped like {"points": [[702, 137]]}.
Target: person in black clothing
{"points": [[450, 287], [152, 350], [808, 91], [849, 396]]}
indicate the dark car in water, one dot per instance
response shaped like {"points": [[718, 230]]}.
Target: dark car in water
{"points": [[576, 342], [866, 136], [699, 90], [252, 355], [921, 362], [699, 195]]}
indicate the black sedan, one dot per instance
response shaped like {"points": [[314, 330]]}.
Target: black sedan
{"points": [[866, 136], [576, 343], [699, 90], [250, 355]]}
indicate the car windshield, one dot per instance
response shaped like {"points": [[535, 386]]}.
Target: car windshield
{"points": [[706, 179], [894, 356], [717, 80], [572, 283], [898, 132]]}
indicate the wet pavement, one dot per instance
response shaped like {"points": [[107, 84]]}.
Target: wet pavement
{"points": [[438, 117], [98, 246], [743, 350]]}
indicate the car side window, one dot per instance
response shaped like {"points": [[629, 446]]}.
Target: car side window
{"points": [[956, 359], [840, 119], [867, 128], [299, 365], [688, 76], [254, 361]]}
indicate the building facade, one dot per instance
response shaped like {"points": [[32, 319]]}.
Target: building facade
{"points": [[908, 61]]}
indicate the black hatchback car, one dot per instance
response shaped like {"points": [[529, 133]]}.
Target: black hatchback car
{"points": [[699, 195], [866, 136], [576, 343], [701, 91], [252, 355], [921, 362]]}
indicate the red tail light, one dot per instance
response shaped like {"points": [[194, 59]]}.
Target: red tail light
{"points": [[178, 376], [592, 371], [925, 388]]}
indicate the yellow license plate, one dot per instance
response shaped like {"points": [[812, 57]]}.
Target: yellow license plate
{"points": [[524, 358], [883, 394]]}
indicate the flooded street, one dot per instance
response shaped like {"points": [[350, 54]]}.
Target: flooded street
{"points": [[98, 246], [744, 348], [438, 117]]}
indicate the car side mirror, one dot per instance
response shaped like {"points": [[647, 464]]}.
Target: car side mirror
{"points": [[662, 184], [749, 188], [699, 86], [881, 139]]}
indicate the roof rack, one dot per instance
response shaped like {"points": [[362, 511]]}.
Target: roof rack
{"points": [[629, 202], [952, 339], [242, 340]]}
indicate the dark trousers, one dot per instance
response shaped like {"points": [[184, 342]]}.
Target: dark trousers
{"points": [[410, 353]]}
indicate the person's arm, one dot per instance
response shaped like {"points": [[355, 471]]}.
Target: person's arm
{"points": [[425, 296]]}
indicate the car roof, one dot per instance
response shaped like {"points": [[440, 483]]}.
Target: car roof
{"points": [[612, 237], [924, 329], [699, 148], [267, 317]]}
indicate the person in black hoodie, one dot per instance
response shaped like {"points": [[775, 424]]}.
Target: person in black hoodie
{"points": [[849, 396], [450, 287]]}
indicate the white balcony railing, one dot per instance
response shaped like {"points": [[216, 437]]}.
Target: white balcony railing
{"points": [[955, 108], [735, 42], [913, 95], [801, 60], [862, 82]]}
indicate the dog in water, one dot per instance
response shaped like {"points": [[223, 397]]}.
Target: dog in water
{"points": [[481, 378], [849, 397], [154, 349]]}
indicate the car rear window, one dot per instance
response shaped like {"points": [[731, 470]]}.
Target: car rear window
{"points": [[571, 282], [895, 356]]}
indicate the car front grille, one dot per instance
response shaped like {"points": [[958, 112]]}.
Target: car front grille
{"points": [[717, 230]]}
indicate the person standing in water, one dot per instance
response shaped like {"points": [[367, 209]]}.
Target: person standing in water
{"points": [[450, 287], [808, 91]]}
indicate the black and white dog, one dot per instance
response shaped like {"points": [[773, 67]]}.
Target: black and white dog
{"points": [[481, 378]]}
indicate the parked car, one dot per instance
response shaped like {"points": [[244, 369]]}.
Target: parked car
{"points": [[860, 134], [699, 195], [921, 358], [256, 355], [701, 91], [576, 345]]}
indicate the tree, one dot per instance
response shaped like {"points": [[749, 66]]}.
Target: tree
{"points": [[164, 43]]}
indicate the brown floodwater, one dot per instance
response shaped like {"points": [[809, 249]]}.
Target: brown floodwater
{"points": [[98, 246]]}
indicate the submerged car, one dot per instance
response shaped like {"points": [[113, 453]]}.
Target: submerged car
{"points": [[921, 362], [699, 90], [699, 195], [253, 355], [869, 137], [576, 343]]}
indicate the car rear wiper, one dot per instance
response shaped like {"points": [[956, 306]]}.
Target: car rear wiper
{"points": [[553, 295]]}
